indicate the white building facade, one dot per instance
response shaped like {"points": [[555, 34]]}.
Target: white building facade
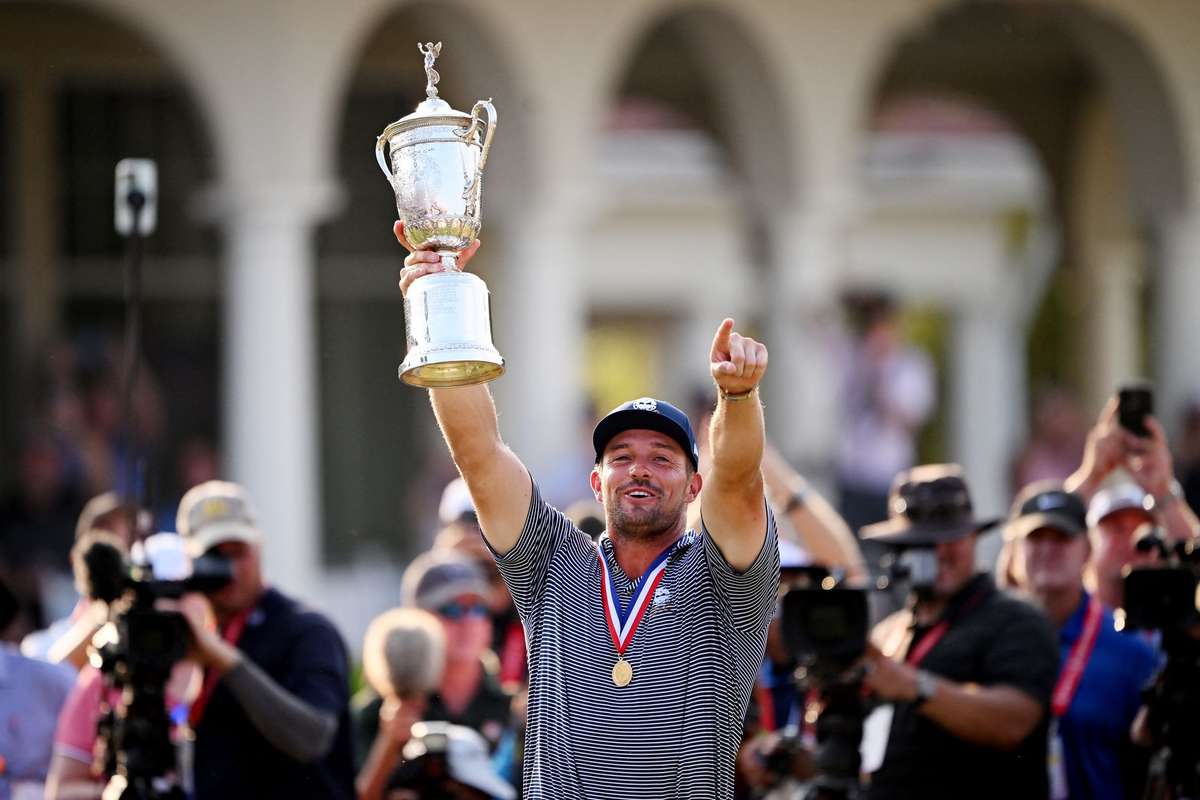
{"points": [[766, 216]]}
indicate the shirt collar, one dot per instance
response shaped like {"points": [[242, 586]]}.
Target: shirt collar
{"points": [[685, 540], [1074, 624]]}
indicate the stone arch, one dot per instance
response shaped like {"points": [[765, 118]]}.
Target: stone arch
{"points": [[739, 84]]}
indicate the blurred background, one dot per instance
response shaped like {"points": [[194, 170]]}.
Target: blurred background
{"points": [[999, 198]]}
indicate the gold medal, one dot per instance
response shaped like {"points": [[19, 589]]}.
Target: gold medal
{"points": [[622, 672]]}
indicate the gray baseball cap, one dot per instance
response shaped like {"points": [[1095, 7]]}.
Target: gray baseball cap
{"points": [[437, 577], [214, 512]]}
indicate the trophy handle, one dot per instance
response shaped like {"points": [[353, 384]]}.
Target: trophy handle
{"points": [[476, 121], [380, 143]]}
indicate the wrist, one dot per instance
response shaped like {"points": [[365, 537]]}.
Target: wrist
{"points": [[1168, 494], [224, 657], [924, 687], [735, 396]]}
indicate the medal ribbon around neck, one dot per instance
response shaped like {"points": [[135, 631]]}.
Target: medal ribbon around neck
{"points": [[622, 623]]}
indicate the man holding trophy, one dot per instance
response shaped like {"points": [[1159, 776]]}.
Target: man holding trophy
{"points": [[644, 646]]}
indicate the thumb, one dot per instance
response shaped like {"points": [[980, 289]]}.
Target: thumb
{"points": [[720, 345]]}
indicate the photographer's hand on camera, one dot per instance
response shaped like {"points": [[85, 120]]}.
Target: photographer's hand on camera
{"points": [[207, 648]]}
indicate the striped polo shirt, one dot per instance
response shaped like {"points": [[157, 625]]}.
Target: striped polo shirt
{"points": [[674, 731]]}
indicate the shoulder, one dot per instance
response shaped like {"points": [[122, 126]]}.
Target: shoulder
{"points": [[287, 617], [56, 679], [1015, 628], [1137, 653]]}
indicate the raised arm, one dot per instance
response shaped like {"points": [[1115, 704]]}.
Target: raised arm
{"points": [[499, 483], [732, 502], [818, 528]]}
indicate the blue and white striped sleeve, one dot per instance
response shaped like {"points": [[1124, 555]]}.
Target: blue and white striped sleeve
{"points": [[525, 566], [749, 595]]}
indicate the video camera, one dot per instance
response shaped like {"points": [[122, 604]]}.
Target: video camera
{"points": [[136, 650], [1164, 598], [826, 625]]}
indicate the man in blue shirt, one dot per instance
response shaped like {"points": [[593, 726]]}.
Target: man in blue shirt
{"points": [[31, 693], [1096, 696]]}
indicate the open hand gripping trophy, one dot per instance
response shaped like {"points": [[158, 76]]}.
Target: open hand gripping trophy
{"points": [[434, 160]]}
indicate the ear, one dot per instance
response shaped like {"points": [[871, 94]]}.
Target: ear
{"points": [[694, 486], [594, 480]]}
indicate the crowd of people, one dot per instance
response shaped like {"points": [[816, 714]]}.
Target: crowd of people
{"points": [[634, 646]]}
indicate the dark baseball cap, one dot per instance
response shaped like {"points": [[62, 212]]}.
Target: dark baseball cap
{"points": [[1046, 504], [646, 413]]}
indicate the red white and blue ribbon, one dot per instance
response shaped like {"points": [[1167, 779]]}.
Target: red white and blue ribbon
{"points": [[623, 622]]}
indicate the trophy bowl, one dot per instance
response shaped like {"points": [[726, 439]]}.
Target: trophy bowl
{"points": [[434, 160]]}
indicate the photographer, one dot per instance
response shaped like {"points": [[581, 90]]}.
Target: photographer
{"points": [[272, 717], [1103, 672], [969, 669]]}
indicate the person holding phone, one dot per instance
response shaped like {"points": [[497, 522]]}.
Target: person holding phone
{"points": [[1128, 436]]}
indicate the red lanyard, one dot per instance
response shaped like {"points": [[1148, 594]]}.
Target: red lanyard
{"points": [[231, 633], [918, 653], [1081, 651]]}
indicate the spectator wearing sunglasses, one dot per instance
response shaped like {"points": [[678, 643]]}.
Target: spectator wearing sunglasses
{"points": [[453, 588]]}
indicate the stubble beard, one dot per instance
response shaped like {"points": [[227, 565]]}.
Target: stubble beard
{"points": [[644, 524]]}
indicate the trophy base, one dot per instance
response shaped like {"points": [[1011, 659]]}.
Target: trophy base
{"points": [[449, 332], [465, 370]]}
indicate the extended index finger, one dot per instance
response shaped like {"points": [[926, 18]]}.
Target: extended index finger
{"points": [[720, 343]]}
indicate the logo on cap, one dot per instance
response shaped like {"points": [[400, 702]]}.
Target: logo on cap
{"points": [[646, 404], [1048, 502], [214, 507]]}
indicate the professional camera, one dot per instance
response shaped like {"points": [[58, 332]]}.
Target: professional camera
{"points": [[447, 762], [1164, 598], [825, 626], [136, 651]]}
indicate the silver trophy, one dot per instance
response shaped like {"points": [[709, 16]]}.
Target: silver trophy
{"points": [[434, 160]]}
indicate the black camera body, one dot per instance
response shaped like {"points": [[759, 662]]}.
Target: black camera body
{"points": [[1164, 599], [136, 652]]}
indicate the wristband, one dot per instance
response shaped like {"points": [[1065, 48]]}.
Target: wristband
{"points": [[1174, 492], [797, 500], [735, 397]]}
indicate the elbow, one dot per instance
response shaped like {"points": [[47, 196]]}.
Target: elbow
{"points": [[1009, 733], [320, 746]]}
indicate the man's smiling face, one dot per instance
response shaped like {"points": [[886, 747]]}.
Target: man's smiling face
{"points": [[645, 481]]}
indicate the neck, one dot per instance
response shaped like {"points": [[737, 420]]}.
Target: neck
{"points": [[1060, 604], [635, 555], [459, 681], [223, 615]]}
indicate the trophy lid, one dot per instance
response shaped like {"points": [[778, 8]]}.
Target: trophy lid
{"points": [[433, 110]]}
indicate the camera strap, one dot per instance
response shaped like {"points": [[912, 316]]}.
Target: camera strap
{"points": [[934, 635], [1081, 651], [231, 633]]}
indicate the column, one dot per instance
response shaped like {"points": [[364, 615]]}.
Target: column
{"points": [[1114, 342], [803, 378], [33, 281], [1176, 329], [270, 410], [539, 319], [987, 404]]}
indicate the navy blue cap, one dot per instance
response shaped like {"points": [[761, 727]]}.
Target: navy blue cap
{"points": [[646, 413], [1046, 504]]}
